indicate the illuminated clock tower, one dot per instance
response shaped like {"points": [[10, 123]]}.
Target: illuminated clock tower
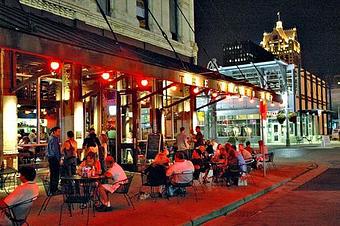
{"points": [[283, 43]]}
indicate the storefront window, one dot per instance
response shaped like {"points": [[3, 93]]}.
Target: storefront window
{"points": [[239, 126]]}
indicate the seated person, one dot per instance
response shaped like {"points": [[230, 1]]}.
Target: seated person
{"points": [[90, 162], [197, 161], [210, 148], [200, 160], [26, 191], [246, 154], [263, 150], [235, 168], [156, 171], [179, 173], [249, 148], [116, 174], [162, 158], [156, 174], [24, 150]]}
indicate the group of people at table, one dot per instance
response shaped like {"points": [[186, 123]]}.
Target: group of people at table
{"points": [[187, 165], [97, 164], [63, 159], [226, 161]]}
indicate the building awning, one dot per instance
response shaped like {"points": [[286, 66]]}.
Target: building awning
{"points": [[36, 35]]}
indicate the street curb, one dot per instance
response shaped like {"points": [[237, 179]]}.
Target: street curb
{"points": [[234, 205]]}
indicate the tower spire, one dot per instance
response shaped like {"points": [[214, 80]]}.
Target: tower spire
{"points": [[278, 22]]}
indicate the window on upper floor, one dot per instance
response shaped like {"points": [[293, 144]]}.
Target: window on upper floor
{"points": [[173, 19], [106, 6], [142, 13]]}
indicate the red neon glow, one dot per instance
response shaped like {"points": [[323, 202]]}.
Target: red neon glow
{"points": [[54, 65], [144, 82], [105, 75], [196, 90]]}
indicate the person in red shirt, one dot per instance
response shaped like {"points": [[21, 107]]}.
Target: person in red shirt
{"points": [[249, 148]]}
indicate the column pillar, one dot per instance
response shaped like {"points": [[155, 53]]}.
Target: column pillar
{"points": [[8, 110], [77, 104], [66, 118]]}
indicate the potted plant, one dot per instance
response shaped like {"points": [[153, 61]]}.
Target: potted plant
{"points": [[281, 117], [232, 140], [292, 117]]}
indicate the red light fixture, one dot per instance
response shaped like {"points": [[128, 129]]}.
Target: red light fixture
{"points": [[174, 88], [105, 75], [196, 90], [54, 65], [144, 82]]}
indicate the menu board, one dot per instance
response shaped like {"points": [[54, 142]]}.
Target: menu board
{"points": [[153, 145]]}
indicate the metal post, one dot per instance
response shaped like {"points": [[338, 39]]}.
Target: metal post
{"points": [[38, 109], [262, 148], [287, 124]]}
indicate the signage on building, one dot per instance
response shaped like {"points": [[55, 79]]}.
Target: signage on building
{"points": [[263, 110]]}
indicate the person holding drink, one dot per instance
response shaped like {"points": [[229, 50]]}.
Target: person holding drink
{"points": [[90, 166]]}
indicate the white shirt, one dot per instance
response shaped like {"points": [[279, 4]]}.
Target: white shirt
{"points": [[118, 174], [22, 193], [181, 167], [182, 141]]}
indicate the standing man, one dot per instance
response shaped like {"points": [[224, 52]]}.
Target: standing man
{"points": [[182, 141], [199, 138], [54, 158]]}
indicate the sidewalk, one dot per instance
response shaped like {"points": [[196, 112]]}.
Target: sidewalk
{"points": [[213, 201]]}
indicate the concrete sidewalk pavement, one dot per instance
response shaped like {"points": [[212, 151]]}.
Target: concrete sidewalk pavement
{"points": [[213, 201]]}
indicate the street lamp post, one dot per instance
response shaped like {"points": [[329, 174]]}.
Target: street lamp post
{"points": [[285, 102]]}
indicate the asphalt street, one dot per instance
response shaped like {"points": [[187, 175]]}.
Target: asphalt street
{"points": [[312, 199]]}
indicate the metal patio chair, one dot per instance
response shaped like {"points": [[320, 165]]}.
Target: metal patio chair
{"points": [[12, 215], [124, 189], [45, 179]]}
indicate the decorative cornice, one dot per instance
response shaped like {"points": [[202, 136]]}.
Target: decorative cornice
{"points": [[55, 8], [72, 11]]}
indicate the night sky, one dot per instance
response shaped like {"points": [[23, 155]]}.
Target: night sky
{"points": [[317, 23]]}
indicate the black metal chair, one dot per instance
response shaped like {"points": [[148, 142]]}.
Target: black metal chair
{"points": [[124, 189], [78, 191], [249, 165], [153, 177], [188, 181], [8, 179], [232, 174], [270, 159], [45, 179], [11, 212]]}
